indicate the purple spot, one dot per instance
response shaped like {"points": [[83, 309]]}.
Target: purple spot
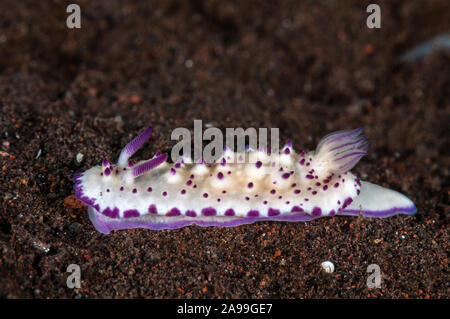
{"points": [[325, 187], [293, 185], [332, 213], [296, 209], [209, 211], [336, 185], [273, 212], [111, 213], [229, 172], [192, 176], [152, 209], [220, 175], [307, 164], [306, 199], [205, 195], [265, 202], [189, 182], [164, 194], [287, 202], [273, 191], [287, 151], [247, 198], [250, 185], [302, 154], [347, 202], [224, 192], [173, 171], [174, 212], [107, 171], [191, 213], [134, 190], [318, 184], [131, 213], [183, 191], [253, 213], [358, 191], [358, 181], [309, 176], [297, 191], [107, 190], [286, 175], [149, 189], [178, 165], [280, 197], [229, 212], [314, 192], [121, 188], [258, 164], [316, 211], [218, 199], [339, 202], [302, 162], [195, 186]]}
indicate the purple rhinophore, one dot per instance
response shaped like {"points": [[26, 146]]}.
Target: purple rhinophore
{"points": [[148, 165], [133, 146]]}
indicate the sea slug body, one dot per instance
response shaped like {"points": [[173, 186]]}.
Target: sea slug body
{"points": [[288, 186]]}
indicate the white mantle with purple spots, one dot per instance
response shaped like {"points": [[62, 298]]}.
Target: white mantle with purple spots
{"points": [[287, 186]]}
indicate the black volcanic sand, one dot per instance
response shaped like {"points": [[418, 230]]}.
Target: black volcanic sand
{"points": [[307, 68]]}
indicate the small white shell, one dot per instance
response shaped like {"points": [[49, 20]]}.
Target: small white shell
{"points": [[328, 266]]}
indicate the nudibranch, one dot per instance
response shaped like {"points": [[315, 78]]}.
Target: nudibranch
{"points": [[286, 186]]}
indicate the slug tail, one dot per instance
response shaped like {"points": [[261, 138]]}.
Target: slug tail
{"points": [[340, 151]]}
